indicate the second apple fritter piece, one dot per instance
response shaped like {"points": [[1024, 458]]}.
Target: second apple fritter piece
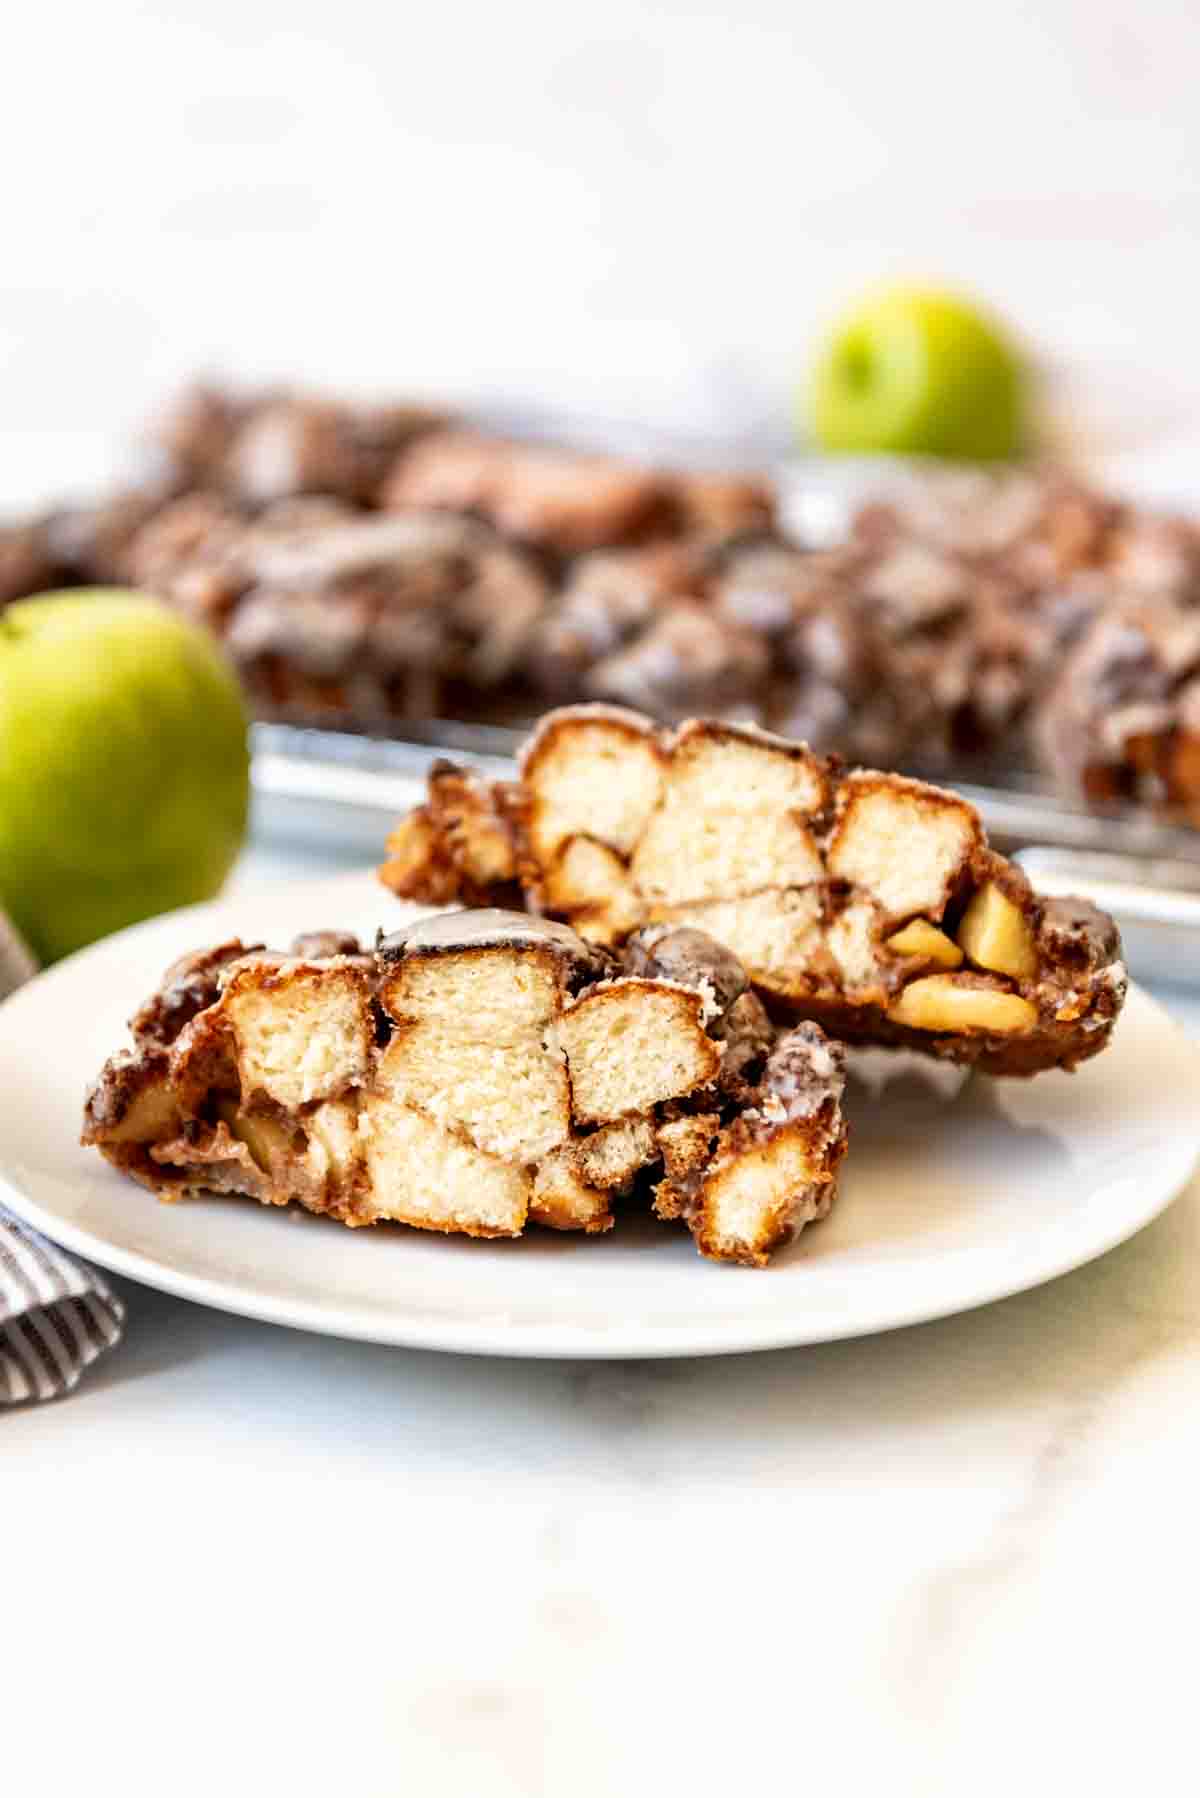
{"points": [[867, 902]]}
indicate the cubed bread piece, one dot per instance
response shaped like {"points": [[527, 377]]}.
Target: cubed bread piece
{"points": [[738, 815], [590, 883], [907, 845], [302, 1030], [573, 1186], [563, 1200], [493, 973], [461, 845], [737, 768], [775, 1166], [421, 1174], [475, 997], [509, 1097], [418, 864], [631, 1044], [778, 936], [335, 1149], [613, 1154], [749, 1186], [760, 1194], [853, 940], [591, 771]]}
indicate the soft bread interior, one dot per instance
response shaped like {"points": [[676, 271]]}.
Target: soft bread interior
{"points": [[633, 1044], [302, 1031], [736, 817], [601, 779], [422, 1174], [903, 845]]}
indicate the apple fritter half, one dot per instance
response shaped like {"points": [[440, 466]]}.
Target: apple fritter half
{"points": [[865, 901], [478, 1072]]}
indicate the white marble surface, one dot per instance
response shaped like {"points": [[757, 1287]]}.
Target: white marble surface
{"points": [[955, 1558]]}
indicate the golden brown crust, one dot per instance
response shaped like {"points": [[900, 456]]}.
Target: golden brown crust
{"points": [[604, 733], [588, 883], [419, 865], [463, 845], [468, 817], [401, 980], [748, 1186], [279, 974], [695, 733], [563, 1199], [796, 1200]]}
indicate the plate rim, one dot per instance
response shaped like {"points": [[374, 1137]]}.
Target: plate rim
{"points": [[998, 1279]]}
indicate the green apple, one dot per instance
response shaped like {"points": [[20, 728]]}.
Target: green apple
{"points": [[916, 371], [124, 771]]}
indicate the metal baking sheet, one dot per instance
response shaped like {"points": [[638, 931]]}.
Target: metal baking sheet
{"points": [[334, 790]]}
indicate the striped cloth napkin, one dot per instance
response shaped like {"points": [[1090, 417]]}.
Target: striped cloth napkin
{"points": [[56, 1314]]}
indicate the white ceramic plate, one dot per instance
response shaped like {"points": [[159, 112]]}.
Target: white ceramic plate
{"points": [[945, 1204]]}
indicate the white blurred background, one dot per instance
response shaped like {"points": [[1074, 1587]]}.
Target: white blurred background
{"points": [[630, 209]]}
